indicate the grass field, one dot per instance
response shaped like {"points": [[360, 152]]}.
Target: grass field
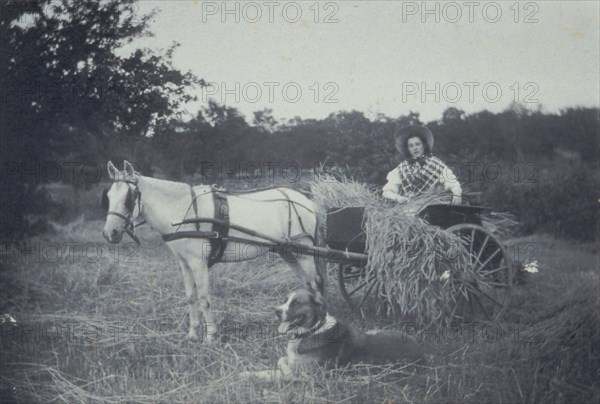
{"points": [[95, 323]]}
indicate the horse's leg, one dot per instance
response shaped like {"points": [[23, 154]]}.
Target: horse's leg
{"points": [[200, 271], [306, 268], [190, 294], [320, 262]]}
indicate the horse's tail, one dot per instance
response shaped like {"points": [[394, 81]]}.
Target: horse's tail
{"points": [[320, 262]]}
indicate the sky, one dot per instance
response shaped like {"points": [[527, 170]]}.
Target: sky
{"points": [[308, 59]]}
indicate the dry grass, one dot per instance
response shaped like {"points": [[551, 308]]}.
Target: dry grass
{"points": [[407, 256], [112, 330]]}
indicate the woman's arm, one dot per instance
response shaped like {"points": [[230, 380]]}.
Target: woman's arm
{"points": [[451, 183], [392, 188], [394, 196]]}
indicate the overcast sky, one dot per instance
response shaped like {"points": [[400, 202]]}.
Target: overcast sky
{"points": [[380, 57]]}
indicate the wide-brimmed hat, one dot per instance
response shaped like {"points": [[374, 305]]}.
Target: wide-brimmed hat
{"points": [[404, 133]]}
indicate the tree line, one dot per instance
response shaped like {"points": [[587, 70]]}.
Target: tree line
{"points": [[68, 95]]}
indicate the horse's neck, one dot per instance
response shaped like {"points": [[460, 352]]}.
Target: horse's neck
{"points": [[163, 202]]}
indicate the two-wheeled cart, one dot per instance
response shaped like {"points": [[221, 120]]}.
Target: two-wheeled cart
{"points": [[485, 285]]}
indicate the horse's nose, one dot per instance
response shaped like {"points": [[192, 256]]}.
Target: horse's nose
{"points": [[113, 234], [278, 313]]}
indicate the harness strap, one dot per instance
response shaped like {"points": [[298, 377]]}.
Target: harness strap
{"points": [[219, 236], [292, 205], [195, 205], [122, 216], [190, 234], [221, 227], [128, 226], [286, 199], [242, 191]]}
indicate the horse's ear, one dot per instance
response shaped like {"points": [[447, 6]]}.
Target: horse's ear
{"points": [[113, 173], [128, 168]]}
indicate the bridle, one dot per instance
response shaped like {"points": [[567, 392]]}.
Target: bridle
{"points": [[133, 196]]}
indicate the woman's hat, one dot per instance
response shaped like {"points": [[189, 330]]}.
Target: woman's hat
{"points": [[404, 133]]}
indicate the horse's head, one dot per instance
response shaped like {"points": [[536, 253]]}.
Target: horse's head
{"points": [[119, 200]]}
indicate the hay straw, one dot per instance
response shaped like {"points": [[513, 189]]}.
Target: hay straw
{"points": [[503, 224], [407, 255]]}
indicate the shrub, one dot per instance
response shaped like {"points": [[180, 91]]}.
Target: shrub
{"points": [[563, 200]]}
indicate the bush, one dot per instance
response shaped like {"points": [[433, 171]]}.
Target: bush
{"points": [[23, 207], [562, 200]]}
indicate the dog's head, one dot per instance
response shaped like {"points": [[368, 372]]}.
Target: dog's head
{"points": [[303, 310]]}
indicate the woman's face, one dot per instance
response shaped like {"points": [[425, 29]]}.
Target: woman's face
{"points": [[415, 147]]}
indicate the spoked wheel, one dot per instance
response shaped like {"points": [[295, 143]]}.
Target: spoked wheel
{"points": [[356, 286], [483, 287]]}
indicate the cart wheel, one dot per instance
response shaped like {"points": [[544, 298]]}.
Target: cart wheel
{"points": [[356, 287], [483, 288]]}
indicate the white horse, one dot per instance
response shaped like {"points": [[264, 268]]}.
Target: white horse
{"points": [[276, 213]]}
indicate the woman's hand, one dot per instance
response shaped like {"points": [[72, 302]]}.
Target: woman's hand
{"points": [[401, 199], [456, 199], [394, 196]]}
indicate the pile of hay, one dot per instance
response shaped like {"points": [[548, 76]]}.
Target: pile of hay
{"points": [[503, 224], [555, 346], [567, 343], [408, 255]]}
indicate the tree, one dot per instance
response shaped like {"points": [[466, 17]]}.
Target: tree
{"points": [[264, 120], [68, 91]]}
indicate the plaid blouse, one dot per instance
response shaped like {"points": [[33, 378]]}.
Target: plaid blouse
{"points": [[415, 177]]}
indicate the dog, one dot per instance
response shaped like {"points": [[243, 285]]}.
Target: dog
{"points": [[316, 338]]}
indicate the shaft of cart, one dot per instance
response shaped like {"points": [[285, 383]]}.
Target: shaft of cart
{"points": [[286, 248], [324, 253]]}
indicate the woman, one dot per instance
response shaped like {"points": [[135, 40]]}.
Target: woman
{"points": [[421, 171]]}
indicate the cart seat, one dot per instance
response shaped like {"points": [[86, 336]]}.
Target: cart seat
{"points": [[445, 216], [345, 229]]}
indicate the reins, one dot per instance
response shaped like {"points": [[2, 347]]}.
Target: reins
{"points": [[291, 205], [220, 222], [219, 236]]}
